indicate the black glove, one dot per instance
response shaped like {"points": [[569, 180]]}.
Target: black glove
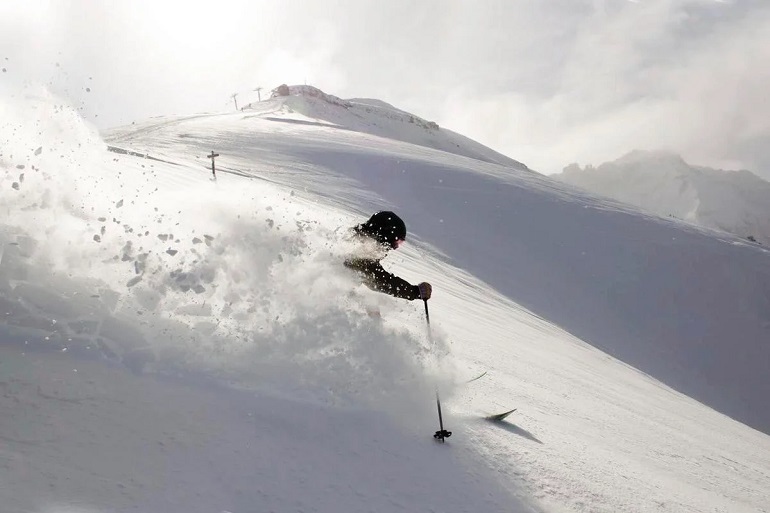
{"points": [[425, 290]]}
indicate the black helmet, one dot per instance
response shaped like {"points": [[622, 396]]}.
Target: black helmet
{"points": [[386, 227]]}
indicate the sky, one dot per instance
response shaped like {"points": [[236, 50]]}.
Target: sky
{"points": [[547, 82]]}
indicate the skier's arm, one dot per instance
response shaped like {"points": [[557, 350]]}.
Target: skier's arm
{"points": [[377, 278]]}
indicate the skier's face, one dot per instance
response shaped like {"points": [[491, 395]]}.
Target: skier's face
{"points": [[397, 243]]}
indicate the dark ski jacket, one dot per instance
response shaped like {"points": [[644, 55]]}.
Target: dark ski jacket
{"points": [[377, 278]]}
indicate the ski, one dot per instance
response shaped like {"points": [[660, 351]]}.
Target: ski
{"points": [[500, 416], [442, 433], [477, 377]]}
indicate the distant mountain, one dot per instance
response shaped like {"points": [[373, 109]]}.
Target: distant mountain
{"points": [[737, 202]]}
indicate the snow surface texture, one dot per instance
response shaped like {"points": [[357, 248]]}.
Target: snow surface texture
{"points": [[737, 202], [176, 344]]}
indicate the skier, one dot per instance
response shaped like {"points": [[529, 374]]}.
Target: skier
{"points": [[381, 233]]}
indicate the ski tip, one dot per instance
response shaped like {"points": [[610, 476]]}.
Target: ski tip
{"points": [[500, 416], [477, 377]]}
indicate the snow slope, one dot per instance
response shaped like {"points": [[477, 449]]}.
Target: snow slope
{"points": [[373, 117], [737, 202], [171, 343]]}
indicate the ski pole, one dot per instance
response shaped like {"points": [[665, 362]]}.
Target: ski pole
{"points": [[442, 433]]}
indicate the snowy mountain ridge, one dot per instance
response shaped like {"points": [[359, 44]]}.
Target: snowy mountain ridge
{"points": [[737, 202], [375, 117]]}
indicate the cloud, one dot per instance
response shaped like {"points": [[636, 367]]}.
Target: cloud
{"points": [[685, 76], [547, 83]]}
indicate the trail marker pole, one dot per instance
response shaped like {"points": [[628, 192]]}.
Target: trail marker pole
{"points": [[213, 169]]}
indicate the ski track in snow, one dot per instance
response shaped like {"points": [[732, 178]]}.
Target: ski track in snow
{"points": [[171, 343]]}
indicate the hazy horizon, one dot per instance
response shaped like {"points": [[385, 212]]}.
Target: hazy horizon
{"points": [[546, 83]]}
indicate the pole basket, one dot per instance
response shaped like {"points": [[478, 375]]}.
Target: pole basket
{"points": [[442, 434]]}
